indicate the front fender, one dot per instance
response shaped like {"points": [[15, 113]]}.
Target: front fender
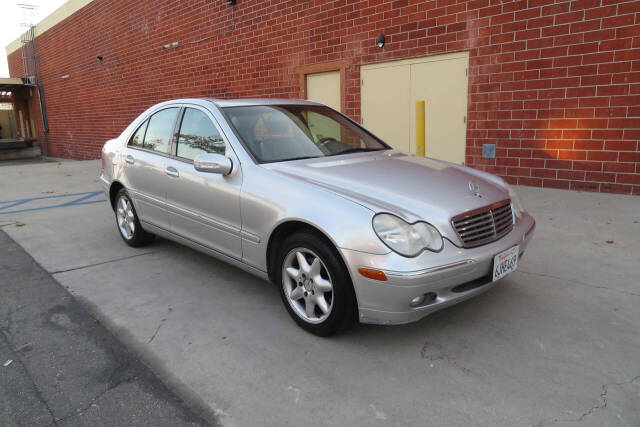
{"points": [[270, 199]]}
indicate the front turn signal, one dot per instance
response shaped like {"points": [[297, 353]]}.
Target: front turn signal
{"points": [[373, 274]]}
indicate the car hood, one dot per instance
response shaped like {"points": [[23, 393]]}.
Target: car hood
{"points": [[414, 188]]}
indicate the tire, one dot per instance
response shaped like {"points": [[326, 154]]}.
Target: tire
{"points": [[126, 218], [311, 284]]}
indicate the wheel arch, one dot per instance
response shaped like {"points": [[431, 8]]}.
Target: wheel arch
{"points": [[113, 191], [293, 226]]}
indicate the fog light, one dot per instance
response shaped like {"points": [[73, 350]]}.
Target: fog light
{"points": [[417, 301], [424, 300]]}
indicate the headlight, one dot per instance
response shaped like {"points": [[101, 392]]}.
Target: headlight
{"points": [[404, 238], [516, 203]]}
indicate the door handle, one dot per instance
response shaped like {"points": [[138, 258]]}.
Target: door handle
{"points": [[171, 171], [129, 159]]}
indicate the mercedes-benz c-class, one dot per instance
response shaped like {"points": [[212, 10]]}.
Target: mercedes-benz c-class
{"points": [[347, 228]]}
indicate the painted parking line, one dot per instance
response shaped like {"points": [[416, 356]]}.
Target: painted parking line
{"points": [[85, 198]]}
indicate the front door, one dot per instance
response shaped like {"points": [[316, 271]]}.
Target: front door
{"points": [[204, 207]]}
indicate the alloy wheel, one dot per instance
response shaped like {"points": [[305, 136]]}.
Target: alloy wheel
{"points": [[126, 218], [307, 285]]}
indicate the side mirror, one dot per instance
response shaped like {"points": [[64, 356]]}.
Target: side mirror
{"points": [[213, 163]]}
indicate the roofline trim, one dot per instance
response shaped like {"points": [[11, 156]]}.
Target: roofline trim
{"points": [[11, 81], [51, 20]]}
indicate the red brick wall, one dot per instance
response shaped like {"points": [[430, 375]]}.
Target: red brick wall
{"points": [[555, 84]]}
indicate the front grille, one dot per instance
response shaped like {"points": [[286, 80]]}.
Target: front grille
{"points": [[484, 225]]}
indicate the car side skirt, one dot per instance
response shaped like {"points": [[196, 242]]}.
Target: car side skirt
{"points": [[204, 249]]}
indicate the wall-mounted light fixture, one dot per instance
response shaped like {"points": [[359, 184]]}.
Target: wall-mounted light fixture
{"points": [[231, 2], [170, 46], [380, 40], [100, 58]]}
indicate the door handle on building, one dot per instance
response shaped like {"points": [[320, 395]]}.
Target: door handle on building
{"points": [[129, 159], [172, 172]]}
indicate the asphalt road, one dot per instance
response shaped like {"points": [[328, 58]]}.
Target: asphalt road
{"points": [[62, 367], [554, 343]]}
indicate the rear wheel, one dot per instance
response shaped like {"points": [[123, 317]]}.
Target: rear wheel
{"points": [[314, 284], [127, 221]]}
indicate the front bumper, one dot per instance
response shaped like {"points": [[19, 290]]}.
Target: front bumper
{"points": [[448, 277]]}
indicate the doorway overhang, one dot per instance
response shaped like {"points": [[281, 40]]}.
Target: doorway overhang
{"points": [[11, 84]]}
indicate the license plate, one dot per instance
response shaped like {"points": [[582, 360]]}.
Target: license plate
{"points": [[505, 262]]}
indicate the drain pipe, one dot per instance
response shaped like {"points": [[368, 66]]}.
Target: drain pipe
{"points": [[45, 121]]}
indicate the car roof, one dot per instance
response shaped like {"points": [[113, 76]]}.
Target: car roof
{"points": [[239, 102], [244, 102]]}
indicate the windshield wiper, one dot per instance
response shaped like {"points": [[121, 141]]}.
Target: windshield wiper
{"points": [[350, 150], [296, 158], [357, 150]]}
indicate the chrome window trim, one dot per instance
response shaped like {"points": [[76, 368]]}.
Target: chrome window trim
{"points": [[171, 155]]}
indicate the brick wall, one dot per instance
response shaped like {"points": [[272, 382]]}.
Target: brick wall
{"points": [[555, 84]]}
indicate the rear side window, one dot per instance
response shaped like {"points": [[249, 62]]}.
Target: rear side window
{"points": [[158, 135], [136, 139], [198, 135]]}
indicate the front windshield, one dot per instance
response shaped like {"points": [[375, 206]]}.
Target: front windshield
{"points": [[275, 133]]}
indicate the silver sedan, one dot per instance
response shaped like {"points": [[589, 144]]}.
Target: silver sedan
{"points": [[296, 193]]}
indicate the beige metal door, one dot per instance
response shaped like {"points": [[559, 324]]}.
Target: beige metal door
{"points": [[443, 87], [385, 101], [325, 88], [390, 92]]}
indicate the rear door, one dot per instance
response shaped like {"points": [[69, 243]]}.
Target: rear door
{"points": [[204, 207], [144, 161]]}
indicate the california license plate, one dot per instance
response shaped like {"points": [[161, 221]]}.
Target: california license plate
{"points": [[505, 262]]}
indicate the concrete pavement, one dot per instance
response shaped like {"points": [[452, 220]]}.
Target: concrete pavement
{"points": [[554, 343], [58, 366]]}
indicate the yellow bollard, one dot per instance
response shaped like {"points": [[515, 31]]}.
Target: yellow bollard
{"points": [[420, 128]]}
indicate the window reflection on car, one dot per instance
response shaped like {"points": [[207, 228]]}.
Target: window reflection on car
{"points": [[275, 133], [198, 135], [159, 130]]}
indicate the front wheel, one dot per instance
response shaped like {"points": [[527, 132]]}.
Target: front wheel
{"points": [[314, 285], [128, 223]]}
